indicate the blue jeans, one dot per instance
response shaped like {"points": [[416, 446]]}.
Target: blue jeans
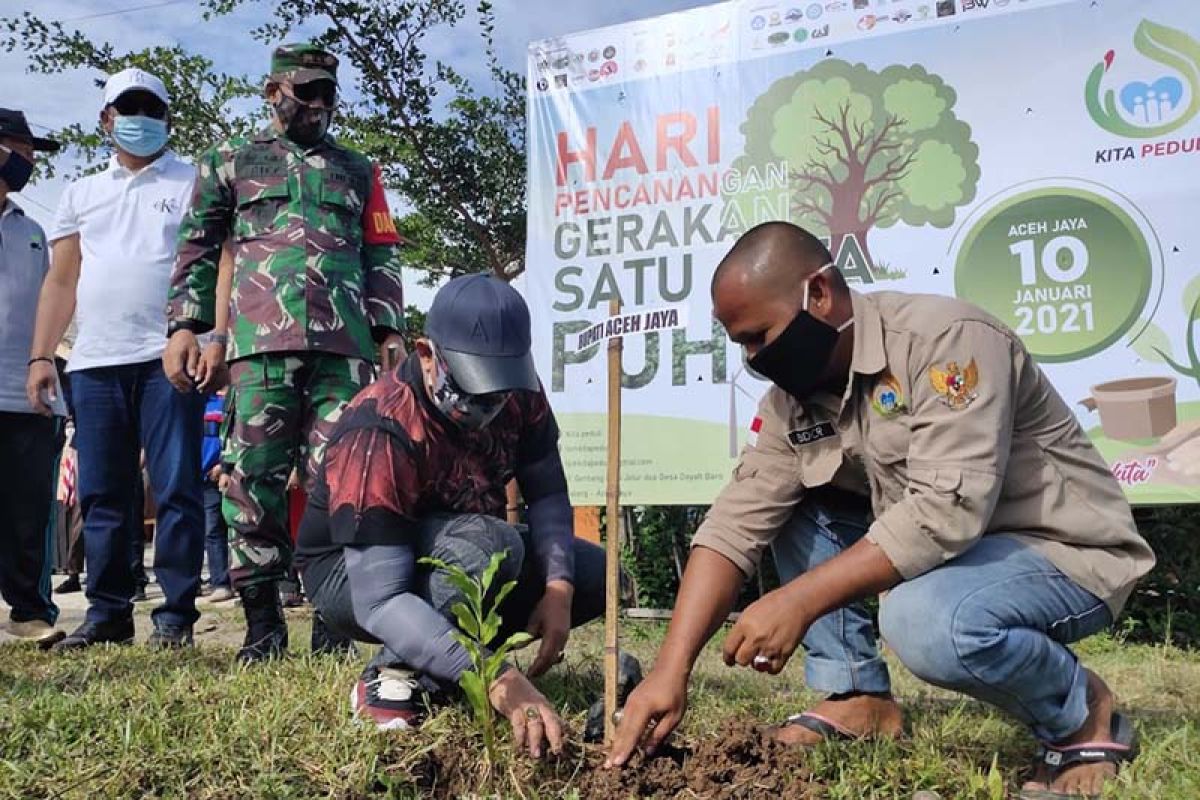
{"points": [[216, 537], [992, 623], [119, 410]]}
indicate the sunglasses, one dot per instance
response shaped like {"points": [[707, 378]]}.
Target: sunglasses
{"points": [[140, 104], [313, 91]]}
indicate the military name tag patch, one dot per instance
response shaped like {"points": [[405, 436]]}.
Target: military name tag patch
{"points": [[803, 436]]}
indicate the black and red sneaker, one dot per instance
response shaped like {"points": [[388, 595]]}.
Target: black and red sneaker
{"points": [[390, 697]]}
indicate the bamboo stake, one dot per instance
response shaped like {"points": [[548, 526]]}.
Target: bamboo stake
{"points": [[612, 584]]}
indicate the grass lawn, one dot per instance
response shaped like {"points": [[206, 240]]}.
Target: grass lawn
{"points": [[127, 722]]}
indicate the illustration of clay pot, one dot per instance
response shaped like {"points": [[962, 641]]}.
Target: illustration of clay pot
{"points": [[1134, 408]]}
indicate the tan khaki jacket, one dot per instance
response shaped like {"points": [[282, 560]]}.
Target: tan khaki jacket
{"points": [[955, 433]]}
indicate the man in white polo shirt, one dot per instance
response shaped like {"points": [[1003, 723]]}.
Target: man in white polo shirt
{"points": [[113, 248]]}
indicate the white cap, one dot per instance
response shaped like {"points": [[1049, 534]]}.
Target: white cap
{"points": [[134, 78]]}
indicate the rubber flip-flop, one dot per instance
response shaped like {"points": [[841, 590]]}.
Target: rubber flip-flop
{"points": [[1122, 749], [821, 725]]}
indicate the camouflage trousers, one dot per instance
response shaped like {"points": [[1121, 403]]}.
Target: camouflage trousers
{"points": [[280, 412]]}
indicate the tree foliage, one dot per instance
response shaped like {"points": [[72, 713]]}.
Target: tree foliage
{"points": [[204, 102], [865, 149], [454, 153]]}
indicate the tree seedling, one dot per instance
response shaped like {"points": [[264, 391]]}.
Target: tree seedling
{"points": [[479, 621]]}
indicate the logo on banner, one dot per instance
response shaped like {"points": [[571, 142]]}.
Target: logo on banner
{"points": [[816, 127], [1153, 101]]}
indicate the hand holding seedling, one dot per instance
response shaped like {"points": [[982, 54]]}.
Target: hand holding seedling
{"points": [[489, 684], [533, 719]]}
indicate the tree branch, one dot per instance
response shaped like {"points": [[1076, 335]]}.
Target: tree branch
{"points": [[877, 142], [896, 169], [881, 200], [408, 131], [809, 206], [827, 148]]}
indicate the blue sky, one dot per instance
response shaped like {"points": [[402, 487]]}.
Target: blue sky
{"points": [[56, 100]]}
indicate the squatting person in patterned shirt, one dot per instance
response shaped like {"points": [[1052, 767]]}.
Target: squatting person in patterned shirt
{"points": [[416, 467], [316, 287]]}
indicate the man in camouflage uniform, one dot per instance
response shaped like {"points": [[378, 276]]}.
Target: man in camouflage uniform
{"points": [[316, 287]]}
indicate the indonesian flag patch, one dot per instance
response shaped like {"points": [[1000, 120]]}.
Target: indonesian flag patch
{"points": [[755, 427]]}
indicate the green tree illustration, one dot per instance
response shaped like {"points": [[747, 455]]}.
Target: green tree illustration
{"points": [[864, 149]]}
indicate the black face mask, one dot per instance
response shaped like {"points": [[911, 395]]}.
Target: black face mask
{"points": [[15, 169], [304, 125], [796, 359]]}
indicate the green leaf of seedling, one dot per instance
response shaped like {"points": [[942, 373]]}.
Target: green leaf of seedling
{"points": [[505, 590], [466, 621], [514, 642], [472, 686], [490, 627], [489, 574], [467, 587]]}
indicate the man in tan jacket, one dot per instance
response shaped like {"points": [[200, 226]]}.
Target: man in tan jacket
{"points": [[910, 444]]}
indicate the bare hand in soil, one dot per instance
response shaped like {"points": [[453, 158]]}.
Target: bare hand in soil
{"points": [[533, 719], [651, 713], [767, 633], [551, 622]]}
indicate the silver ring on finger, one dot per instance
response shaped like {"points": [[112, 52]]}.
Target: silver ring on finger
{"points": [[532, 713]]}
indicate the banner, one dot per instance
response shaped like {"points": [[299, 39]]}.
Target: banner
{"points": [[1036, 157]]}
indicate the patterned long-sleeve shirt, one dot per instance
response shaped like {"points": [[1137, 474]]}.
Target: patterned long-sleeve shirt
{"points": [[316, 255]]}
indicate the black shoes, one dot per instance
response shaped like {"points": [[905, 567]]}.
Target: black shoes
{"points": [[266, 629], [71, 584], [90, 633], [170, 637]]}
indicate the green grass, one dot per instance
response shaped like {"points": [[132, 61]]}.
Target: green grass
{"points": [[128, 722]]}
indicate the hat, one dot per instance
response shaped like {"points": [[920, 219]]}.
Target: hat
{"points": [[480, 326], [128, 80], [303, 62], [14, 126]]}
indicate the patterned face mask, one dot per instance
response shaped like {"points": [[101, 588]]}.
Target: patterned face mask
{"points": [[470, 412]]}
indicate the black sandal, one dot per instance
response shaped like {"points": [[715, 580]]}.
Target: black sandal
{"points": [[823, 726], [1122, 749]]}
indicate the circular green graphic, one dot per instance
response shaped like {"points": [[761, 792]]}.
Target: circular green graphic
{"points": [[1067, 269]]}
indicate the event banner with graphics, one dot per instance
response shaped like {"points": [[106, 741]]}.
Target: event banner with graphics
{"points": [[1040, 158]]}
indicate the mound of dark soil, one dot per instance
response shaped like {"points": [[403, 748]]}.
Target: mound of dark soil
{"points": [[733, 763]]}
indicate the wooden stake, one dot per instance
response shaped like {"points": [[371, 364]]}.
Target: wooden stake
{"points": [[612, 584]]}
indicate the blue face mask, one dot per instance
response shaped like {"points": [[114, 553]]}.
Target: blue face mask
{"points": [[140, 136]]}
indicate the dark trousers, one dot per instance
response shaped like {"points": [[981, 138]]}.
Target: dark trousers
{"points": [[328, 590], [137, 534], [120, 410], [26, 490], [216, 537]]}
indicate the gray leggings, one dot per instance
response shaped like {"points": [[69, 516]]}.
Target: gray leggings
{"points": [[379, 593]]}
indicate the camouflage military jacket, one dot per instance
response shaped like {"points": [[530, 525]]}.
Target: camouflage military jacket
{"points": [[316, 256]]}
